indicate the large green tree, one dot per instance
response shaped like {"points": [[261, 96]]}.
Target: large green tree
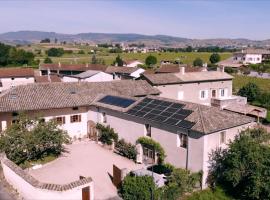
{"points": [[55, 52], [243, 170], [150, 60], [214, 58], [251, 91], [31, 139], [118, 61]]}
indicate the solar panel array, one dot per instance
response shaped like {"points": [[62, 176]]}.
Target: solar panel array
{"points": [[162, 111], [116, 101]]}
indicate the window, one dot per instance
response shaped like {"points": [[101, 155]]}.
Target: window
{"points": [[1, 84], [12, 78], [60, 120], [14, 114], [222, 92], [180, 95], [104, 117], [222, 137], [148, 152], [214, 93], [148, 130], [203, 94], [181, 140], [75, 118]]}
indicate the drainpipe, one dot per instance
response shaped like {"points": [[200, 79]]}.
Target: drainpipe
{"points": [[187, 150]]}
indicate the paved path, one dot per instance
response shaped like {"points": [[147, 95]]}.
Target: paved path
{"points": [[86, 159]]}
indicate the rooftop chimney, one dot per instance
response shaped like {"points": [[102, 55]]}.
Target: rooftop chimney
{"points": [[59, 64], [87, 65], [182, 70]]}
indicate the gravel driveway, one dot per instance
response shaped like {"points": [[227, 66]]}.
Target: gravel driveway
{"points": [[85, 158]]}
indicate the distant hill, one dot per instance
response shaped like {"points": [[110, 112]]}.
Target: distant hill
{"points": [[153, 40]]}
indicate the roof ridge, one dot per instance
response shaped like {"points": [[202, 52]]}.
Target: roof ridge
{"points": [[201, 118]]}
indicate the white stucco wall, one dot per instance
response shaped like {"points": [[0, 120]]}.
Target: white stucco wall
{"points": [[212, 142], [99, 77], [191, 91], [29, 192], [253, 58], [7, 83], [78, 129]]}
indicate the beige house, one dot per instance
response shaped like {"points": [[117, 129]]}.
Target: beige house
{"points": [[188, 132], [11, 77], [211, 88]]}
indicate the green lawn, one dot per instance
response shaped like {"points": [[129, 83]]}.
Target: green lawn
{"points": [[208, 194], [240, 81], [42, 161], [184, 57]]}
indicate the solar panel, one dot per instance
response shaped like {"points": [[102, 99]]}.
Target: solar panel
{"points": [[177, 106], [162, 112], [185, 124], [171, 121], [184, 112], [116, 101]]}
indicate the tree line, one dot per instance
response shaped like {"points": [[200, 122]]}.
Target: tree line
{"points": [[10, 55]]}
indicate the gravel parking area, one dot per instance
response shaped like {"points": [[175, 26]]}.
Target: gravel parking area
{"points": [[85, 158]]}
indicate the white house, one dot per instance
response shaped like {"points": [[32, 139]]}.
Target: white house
{"points": [[252, 56], [132, 63], [11, 77], [188, 132], [88, 76]]}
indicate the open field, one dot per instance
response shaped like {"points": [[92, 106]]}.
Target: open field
{"points": [[184, 57], [240, 81]]}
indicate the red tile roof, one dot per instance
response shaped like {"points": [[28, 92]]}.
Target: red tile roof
{"points": [[73, 67], [16, 72], [47, 79]]}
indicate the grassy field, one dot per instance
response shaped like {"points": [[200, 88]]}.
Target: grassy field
{"points": [[240, 81], [186, 58]]}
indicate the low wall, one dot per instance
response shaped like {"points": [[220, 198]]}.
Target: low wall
{"points": [[30, 188]]}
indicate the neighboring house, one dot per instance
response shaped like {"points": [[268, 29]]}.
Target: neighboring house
{"points": [[252, 56], [230, 62], [212, 88], [69, 69], [10, 77], [176, 68], [122, 73], [196, 87], [88, 76], [67, 103], [132, 63], [188, 132]]}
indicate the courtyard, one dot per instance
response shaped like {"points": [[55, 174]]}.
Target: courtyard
{"points": [[88, 159]]}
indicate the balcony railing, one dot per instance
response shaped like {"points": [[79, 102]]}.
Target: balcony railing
{"points": [[222, 102]]}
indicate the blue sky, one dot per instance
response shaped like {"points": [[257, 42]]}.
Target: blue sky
{"points": [[190, 18]]}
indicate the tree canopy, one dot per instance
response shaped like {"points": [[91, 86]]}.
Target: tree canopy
{"points": [[198, 62], [243, 170], [31, 139], [118, 61], [150, 60], [55, 52], [48, 60], [214, 58], [12, 56], [250, 90]]}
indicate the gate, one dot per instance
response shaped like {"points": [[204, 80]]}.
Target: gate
{"points": [[91, 130]]}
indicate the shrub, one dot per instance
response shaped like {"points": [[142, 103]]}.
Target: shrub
{"points": [[198, 62], [157, 147], [138, 187], [214, 58], [107, 134], [55, 52], [165, 169], [81, 52], [126, 149], [208, 194], [48, 60]]}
